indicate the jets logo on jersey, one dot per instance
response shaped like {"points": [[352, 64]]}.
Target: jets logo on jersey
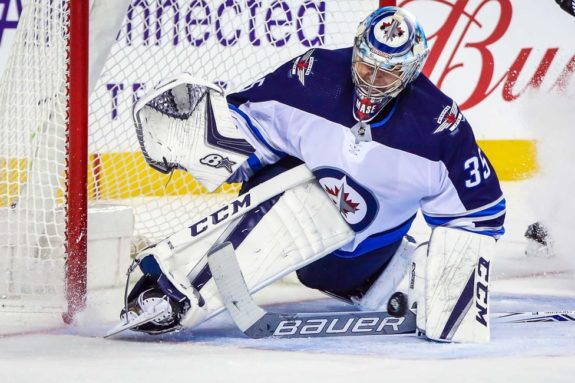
{"points": [[392, 31], [302, 66], [449, 119], [356, 204]]}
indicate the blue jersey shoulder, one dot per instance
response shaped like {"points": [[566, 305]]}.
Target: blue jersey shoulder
{"points": [[424, 121], [318, 81]]}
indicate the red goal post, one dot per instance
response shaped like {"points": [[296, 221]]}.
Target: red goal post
{"points": [[77, 214], [68, 139]]}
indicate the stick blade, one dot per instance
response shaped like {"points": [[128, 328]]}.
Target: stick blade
{"points": [[257, 323], [232, 287]]}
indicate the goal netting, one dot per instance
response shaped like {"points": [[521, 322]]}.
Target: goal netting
{"points": [[133, 45]]}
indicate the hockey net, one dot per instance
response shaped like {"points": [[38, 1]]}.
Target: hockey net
{"points": [[232, 42]]}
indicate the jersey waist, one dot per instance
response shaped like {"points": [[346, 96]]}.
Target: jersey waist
{"points": [[378, 240]]}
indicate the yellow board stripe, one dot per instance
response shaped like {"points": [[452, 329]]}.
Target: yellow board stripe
{"points": [[513, 160], [127, 175], [12, 176], [113, 176]]}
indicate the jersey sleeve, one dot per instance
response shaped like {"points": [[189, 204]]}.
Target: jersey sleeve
{"points": [[465, 193], [265, 112], [254, 112]]}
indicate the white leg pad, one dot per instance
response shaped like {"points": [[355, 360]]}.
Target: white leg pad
{"points": [[303, 226], [456, 286]]}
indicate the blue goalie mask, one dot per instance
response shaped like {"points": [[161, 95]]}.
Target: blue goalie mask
{"points": [[389, 52]]}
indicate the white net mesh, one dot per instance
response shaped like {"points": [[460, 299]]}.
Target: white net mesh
{"points": [[33, 101], [232, 42]]}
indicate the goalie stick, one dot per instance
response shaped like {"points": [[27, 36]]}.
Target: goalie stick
{"points": [[255, 322], [535, 316]]}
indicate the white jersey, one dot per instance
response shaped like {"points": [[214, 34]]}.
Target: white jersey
{"points": [[422, 155]]}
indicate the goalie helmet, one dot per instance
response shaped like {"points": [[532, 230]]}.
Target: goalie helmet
{"points": [[389, 52]]}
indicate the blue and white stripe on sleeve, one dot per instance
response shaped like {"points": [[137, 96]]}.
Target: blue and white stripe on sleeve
{"points": [[268, 153], [485, 220]]}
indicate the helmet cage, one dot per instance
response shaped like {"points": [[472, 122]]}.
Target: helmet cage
{"points": [[369, 85]]}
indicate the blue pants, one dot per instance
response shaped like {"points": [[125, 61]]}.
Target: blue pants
{"points": [[343, 277]]}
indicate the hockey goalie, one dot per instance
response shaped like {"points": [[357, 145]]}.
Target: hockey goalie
{"points": [[337, 151]]}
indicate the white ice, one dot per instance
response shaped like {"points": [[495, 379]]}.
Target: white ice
{"points": [[218, 352]]}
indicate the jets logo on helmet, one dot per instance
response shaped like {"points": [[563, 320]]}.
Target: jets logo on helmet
{"points": [[392, 32]]}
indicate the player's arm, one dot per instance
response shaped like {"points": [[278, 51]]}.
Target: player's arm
{"points": [[264, 115], [465, 194]]}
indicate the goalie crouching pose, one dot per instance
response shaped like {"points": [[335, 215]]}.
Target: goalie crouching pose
{"points": [[381, 142]]}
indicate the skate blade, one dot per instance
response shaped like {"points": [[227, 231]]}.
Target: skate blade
{"points": [[140, 320]]}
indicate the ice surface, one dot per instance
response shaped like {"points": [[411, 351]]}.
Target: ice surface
{"points": [[218, 352]]}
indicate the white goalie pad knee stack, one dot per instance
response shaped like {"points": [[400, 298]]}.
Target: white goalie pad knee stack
{"points": [[303, 226], [456, 303]]}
